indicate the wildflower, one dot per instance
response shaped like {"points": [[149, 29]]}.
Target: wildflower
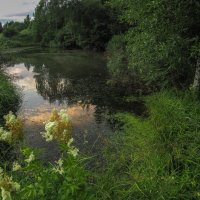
{"points": [[64, 116], [5, 135], [48, 136], [7, 186], [59, 168], [16, 167], [70, 142], [10, 118], [73, 151], [50, 126], [5, 194], [31, 158], [60, 162]]}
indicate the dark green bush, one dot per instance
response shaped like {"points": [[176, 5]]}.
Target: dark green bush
{"points": [[9, 96]]}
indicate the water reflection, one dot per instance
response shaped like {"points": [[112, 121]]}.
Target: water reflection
{"points": [[72, 80]]}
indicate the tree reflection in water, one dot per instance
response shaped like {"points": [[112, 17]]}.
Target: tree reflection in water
{"points": [[73, 79]]}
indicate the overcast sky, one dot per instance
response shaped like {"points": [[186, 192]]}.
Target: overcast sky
{"points": [[16, 9]]}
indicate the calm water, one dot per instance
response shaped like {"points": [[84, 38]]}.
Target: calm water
{"points": [[71, 80]]}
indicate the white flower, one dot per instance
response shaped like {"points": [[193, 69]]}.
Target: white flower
{"points": [[70, 142], [59, 168], [10, 118], [48, 136], [5, 194], [73, 151], [49, 126], [5, 135], [60, 162], [30, 158], [16, 167], [8, 186], [64, 116]]}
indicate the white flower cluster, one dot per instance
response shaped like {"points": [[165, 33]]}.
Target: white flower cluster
{"points": [[59, 168], [16, 167], [10, 118], [64, 116], [7, 186], [72, 150], [5, 135], [49, 130], [31, 158], [50, 126]]}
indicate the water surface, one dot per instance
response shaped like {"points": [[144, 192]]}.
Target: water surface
{"points": [[72, 80]]}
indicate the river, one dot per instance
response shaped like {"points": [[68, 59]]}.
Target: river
{"points": [[52, 79], [72, 80]]}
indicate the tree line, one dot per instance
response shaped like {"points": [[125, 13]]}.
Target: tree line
{"points": [[150, 44]]}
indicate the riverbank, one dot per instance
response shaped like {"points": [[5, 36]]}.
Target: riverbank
{"points": [[9, 95], [155, 157], [151, 157], [153, 154]]}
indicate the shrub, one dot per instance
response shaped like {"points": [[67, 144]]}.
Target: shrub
{"points": [[9, 96]]}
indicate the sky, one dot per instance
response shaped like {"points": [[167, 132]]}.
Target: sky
{"points": [[16, 10]]}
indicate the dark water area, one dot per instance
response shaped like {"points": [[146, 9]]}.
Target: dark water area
{"points": [[72, 80]]}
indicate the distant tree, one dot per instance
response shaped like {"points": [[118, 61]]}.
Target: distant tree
{"points": [[12, 28], [1, 28], [68, 23], [27, 21]]}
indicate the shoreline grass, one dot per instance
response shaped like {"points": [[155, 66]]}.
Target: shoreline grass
{"points": [[9, 96], [156, 157]]}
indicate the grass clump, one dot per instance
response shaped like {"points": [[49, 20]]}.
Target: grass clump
{"points": [[156, 157], [9, 96]]}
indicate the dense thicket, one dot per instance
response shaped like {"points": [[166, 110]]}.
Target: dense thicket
{"points": [[16, 34], [161, 46], [86, 24], [151, 44]]}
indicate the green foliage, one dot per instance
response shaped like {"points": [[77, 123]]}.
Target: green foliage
{"points": [[27, 21], [9, 96], [161, 39], [31, 179], [156, 157], [1, 28], [11, 29], [85, 24], [121, 73]]}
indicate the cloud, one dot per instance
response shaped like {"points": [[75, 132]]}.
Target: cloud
{"points": [[16, 10]]}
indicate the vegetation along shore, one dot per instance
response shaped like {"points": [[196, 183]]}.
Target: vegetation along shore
{"points": [[99, 100]]}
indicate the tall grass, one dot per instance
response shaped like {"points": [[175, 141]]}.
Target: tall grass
{"points": [[157, 157], [9, 96]]}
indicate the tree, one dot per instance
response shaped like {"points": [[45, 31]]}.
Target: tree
{"points": [[160, 47], [66, 23], [1, 28], [27, 21]]}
